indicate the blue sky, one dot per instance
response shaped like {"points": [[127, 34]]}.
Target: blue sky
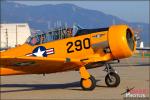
{"points": [[132, 11]]}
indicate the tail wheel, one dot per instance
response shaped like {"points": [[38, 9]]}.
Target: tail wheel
{"points": [[88, 84], [112, 79]]}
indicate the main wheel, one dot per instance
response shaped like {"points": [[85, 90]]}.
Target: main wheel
{"points": [[112, 79], [88, 84]]}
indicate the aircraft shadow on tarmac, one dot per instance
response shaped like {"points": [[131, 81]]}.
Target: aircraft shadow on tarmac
{"points": [[31, 87]]}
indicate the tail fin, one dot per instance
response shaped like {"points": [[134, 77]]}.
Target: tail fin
{"points": [[141, 44]]}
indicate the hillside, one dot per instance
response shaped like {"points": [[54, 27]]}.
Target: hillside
{"points": [[44, 16]]}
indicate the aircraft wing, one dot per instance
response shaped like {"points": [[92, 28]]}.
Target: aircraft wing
{"points": [[24, 61], [144, 48], [38, 65], [141, 47]]}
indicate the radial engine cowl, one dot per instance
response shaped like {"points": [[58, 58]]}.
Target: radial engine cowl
{"points": [[121, 41]]}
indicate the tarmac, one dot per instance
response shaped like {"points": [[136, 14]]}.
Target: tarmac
{"points": [[134, 73]]}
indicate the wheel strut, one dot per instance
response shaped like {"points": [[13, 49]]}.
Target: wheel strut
{"points": [[112, 79], [84, 73]]}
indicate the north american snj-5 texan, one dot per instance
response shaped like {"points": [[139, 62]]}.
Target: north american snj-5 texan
{"points": [[87, 48]]}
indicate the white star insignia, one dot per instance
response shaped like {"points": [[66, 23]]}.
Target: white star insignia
{"points": [[39, 53]]}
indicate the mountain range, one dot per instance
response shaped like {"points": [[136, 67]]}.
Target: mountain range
{"points": [[47, 16]]}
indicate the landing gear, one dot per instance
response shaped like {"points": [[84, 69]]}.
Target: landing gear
{"points": [[112, 79], [87, 82]]}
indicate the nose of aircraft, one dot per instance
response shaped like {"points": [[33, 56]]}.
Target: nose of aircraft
{"points": [[121, 41]]}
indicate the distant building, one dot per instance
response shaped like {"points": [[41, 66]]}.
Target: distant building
{"points": [[13, 34]]}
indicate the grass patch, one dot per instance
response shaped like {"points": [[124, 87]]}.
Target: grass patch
{"points": [[142, 55]]}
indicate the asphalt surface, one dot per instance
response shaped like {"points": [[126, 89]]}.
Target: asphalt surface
{"points": [[134, 73]]}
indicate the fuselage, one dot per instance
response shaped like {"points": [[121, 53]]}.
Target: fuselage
{"points": [[57, 55]]}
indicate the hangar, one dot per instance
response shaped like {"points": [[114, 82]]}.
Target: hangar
{"points": [[13, 34]]}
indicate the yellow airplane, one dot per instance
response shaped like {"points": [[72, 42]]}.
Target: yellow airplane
{"points": [[88, 48]]}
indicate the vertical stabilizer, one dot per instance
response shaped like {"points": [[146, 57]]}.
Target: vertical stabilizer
{"points": [[141, 44]]}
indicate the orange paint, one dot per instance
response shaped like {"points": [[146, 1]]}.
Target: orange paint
{"points": [[85, 49]]}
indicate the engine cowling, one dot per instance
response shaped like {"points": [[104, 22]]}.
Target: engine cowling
{"points": [[121, 41]]}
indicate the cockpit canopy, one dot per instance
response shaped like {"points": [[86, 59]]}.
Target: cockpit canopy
{"points": [[60, 33], [56, 34]]}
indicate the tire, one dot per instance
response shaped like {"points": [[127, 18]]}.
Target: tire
{"points": [[114, 81], [91, 86]]}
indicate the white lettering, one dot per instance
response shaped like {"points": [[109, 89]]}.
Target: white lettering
{"points": [[134, 95]]}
